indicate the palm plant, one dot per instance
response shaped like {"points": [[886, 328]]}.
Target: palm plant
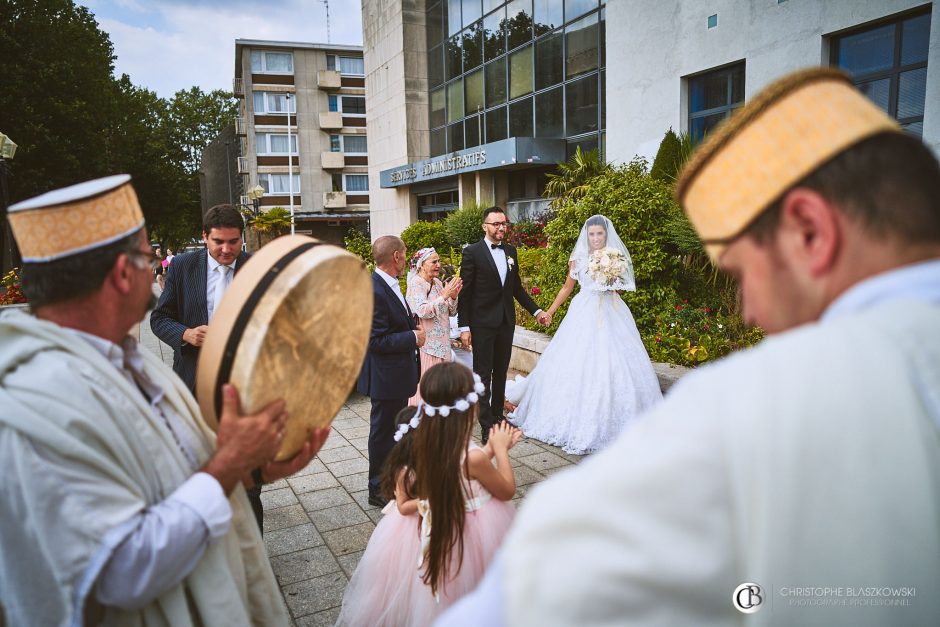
{"points": [[275, 222], [571, 181]]}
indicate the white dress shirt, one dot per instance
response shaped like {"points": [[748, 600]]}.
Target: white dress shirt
{"points": [[499, 258], [212, 278], [171, 536]]}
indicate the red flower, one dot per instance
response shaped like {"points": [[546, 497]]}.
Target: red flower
{"points": [[678, 307], [685, 302], [536, 291]]}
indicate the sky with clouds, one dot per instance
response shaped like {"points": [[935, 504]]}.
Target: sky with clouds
{"points": [[169, 45]]}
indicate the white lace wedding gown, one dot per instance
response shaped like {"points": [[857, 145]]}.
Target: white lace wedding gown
{"points": [[593, 379]]}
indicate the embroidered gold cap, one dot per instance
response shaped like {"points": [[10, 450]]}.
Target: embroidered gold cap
{"points": [[75, 219], [783, 134]]}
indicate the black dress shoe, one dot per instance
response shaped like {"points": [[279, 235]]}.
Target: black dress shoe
{"points": [[376, 501]]}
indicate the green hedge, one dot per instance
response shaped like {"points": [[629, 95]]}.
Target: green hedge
{"points": [[424, 234]]}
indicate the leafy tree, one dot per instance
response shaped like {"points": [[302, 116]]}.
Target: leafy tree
{"points": [[194, 119], [57, 93]]}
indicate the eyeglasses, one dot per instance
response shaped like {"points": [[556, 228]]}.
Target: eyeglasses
{"points": [[499, 225], [152, 260]]}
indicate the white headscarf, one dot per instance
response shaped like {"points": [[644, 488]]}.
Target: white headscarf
{"points": [[417, 260], [582, 254]]}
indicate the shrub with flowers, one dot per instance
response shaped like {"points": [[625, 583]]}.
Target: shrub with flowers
{"points": [[530, 234], [688, 334], [12, 291]]}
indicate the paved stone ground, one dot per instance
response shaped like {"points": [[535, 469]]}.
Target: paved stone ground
{"points": [[317, 523]]}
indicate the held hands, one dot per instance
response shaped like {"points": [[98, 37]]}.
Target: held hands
{"points": [[452, 288], [245, 442], [544, 318], [421, 337], [466, 341], [195, 336]]}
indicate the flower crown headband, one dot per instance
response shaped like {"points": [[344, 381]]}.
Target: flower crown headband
{"points": [[461, 404]]}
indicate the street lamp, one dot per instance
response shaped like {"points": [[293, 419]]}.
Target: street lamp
{"points": [[254, 195], [10, 253]]}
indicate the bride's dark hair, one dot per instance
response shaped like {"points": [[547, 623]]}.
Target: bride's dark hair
{"points": [[597, 221], [440, 464]]}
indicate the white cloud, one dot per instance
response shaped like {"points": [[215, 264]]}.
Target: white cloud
{"points": [[167, 46]]}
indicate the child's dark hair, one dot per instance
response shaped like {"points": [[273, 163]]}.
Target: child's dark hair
{"points": [[399, 457], [440, 462]]}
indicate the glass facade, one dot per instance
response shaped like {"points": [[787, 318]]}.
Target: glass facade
{"points": [[523, 68], [713, 96], [888, 63]]}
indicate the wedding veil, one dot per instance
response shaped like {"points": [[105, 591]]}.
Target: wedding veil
{"points": [[582, 251]]}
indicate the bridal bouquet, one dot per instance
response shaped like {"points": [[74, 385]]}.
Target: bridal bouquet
{"points": [[606, 265]]}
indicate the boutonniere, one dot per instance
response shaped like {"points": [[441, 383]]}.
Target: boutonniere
{"points": [[511, 262]]}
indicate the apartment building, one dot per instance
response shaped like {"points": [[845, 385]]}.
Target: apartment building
{"points": [[302, 132]]}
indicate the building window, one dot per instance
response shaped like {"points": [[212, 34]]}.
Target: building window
{"points": [[888, 63], [275, 143], [273, 103], [713, 96], [356, 182], [263, 62], [348, 66], [350, 144], [277, 184], [347, 105]]}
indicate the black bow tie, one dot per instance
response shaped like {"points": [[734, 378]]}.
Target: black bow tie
{"points": [[496, 245]]}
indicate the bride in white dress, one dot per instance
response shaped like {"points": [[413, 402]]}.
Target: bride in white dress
{"points": [[595, 376]]}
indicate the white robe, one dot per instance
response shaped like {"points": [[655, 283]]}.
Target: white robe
{"points": [[64, 401], [811, 461]]}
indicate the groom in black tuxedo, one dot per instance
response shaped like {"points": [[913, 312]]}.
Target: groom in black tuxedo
{"points": [[389, 375], [486, 314]]}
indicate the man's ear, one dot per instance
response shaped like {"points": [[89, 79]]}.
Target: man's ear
{"points": [[120, 276], [809, 231]]}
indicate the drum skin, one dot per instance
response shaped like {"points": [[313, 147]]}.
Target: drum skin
{"points": [[294, 324]]}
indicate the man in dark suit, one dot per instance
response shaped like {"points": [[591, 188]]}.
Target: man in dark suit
{"points": [[194, 286], [194, 283], [389, 375], [486, 314]]}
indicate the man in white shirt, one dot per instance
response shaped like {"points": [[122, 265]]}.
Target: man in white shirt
{"points": [[795, 483], [120, 506]]}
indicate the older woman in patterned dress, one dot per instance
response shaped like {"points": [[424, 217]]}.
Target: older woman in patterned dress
{"points": [[433, 303]]}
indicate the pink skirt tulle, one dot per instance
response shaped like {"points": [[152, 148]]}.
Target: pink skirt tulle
{"points": [[426, 362], [386, 588]]}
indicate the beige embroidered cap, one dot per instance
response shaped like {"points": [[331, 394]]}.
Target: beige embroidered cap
{"points": [[783, 134], [75, 219]]}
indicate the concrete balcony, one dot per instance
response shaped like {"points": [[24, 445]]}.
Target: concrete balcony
{"points": [[332, 160], [238, 87], [334, 200], [329, 80], [331, 119], [241, 126]]}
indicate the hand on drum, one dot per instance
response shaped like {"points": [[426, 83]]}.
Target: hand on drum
{"points": [[245, 442], [272, 471]]}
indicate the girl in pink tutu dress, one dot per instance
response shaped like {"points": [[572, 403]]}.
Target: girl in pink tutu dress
{"points": [[450, 514]]}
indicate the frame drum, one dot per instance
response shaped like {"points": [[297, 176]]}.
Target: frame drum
{"points": [[294, 324]]}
